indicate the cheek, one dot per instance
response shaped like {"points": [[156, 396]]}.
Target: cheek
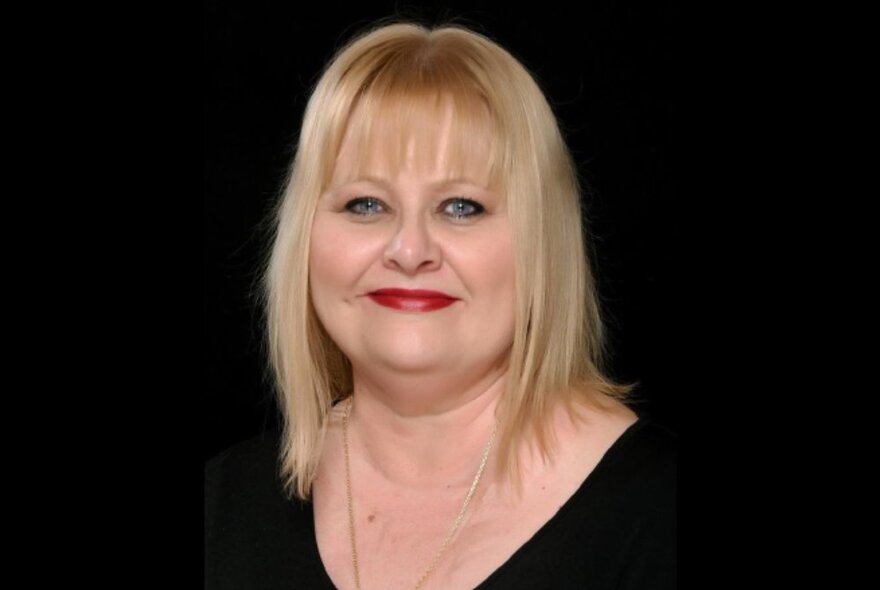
{"points": [[327, 266], [337, 257], [487, 267], [491, 276], [499, 263]]}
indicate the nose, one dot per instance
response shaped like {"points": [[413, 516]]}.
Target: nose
{"points": [[412, 248]]}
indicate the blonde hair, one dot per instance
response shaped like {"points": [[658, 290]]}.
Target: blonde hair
{"points": [[397, 71]]}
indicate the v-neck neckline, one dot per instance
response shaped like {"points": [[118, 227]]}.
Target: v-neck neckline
{"points": [[559, 516]]}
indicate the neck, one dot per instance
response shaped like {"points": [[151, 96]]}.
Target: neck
{"points": [[416, 436]]}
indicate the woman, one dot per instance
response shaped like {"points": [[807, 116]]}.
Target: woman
{"points": [[437, 347]]}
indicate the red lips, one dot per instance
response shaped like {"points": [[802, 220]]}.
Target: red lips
{"points": [[412, 299]]}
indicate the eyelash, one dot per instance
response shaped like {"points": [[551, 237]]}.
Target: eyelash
{"points": [[477, 208]]}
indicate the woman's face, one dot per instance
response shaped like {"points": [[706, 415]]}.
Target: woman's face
{"points": [[413, 227]]}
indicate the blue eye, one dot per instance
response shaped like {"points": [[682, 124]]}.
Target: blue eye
{"points": [[363, 206], [457, 208], [463, 208]]}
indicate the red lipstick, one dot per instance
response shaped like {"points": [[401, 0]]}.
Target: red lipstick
{"points": [[412, 299]]}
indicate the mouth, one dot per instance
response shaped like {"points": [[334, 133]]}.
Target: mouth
{"points": [[412, 299]]}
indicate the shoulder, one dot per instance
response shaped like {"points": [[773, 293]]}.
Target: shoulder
{"points": [[652, 440], [249, 457], [640, 482], [635, 489], [243, 483], [646, 452], [618, 530], [634, 440], [623, 461], [251, 527], [634, 458], [616, 433]]}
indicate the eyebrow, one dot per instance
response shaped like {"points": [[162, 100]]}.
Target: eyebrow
{"points": [[434, 185]]}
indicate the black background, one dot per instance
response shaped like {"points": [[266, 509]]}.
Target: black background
{"points": [[161, 136], [609, 70]]}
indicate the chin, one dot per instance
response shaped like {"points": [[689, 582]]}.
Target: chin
{"points": [[407, 361]]}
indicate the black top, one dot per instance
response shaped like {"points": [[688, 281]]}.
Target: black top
{"points": [[618, 530]]}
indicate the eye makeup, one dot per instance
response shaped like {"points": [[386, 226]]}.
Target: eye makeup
{"points": [[458, 208]]}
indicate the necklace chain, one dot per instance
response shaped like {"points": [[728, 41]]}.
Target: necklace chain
{"points": [[455, 525]]}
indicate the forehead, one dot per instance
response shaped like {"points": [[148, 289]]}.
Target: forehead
{"points": [[437, 136]]}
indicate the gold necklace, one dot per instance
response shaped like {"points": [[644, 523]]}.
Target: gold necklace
{"points": [[455, 524]]}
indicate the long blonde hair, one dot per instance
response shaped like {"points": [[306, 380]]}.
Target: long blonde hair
{"points": [[558, 351]]}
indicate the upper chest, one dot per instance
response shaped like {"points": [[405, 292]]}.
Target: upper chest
{"points": [[399, 534]]}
